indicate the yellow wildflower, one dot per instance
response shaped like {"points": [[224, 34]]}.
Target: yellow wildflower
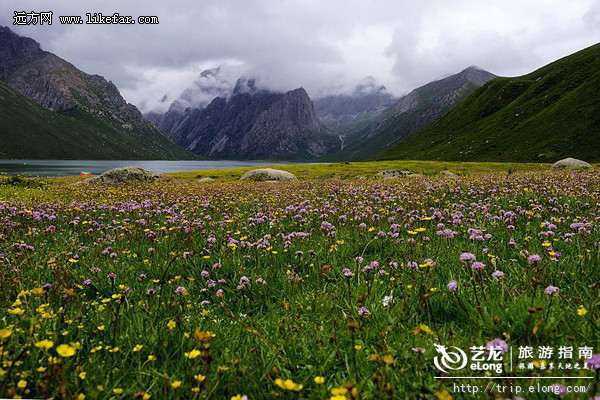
{"points": [[422, 328], [44, 344], [203, 336], [288, 384], [65, 350], [193, 354], [388, 359], [5, 333]]}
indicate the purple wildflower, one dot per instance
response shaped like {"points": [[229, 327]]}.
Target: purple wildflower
{"points": [[593, 362], [467, 257], [551, 290], [497, 344], [478, 266]]}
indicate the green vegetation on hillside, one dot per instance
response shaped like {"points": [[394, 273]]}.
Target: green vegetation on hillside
{"points": [[28, 130], [397, 127], [549, 114]]}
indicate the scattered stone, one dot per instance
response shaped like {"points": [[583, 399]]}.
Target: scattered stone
{"points": [[392, 174], [268, 174], [449, 174], [205, 180], [571, 163], [124, 175]]}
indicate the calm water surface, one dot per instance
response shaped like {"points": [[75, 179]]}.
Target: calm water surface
{"points": [[74, 167]]}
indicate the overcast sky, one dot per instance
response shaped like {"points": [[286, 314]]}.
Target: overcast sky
{"points": [[326, 46]]}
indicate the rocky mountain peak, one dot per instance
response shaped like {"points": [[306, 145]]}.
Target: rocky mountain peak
{"points": [[251, 123], [369, 86], [245, 85], [476, 75], [59, 86], [16, 51]]}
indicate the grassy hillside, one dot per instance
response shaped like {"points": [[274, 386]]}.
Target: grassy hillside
{"points": [[549, 114], [28, 130], [397, 127]]}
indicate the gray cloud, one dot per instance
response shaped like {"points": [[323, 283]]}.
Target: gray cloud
{"points": [[326, 46]]}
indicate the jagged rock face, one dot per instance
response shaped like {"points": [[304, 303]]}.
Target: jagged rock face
{"points": [[16, 51], [59, 86], [251, 124]]}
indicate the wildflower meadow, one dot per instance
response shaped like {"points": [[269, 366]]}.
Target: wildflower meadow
{"points": [[317, 289]]}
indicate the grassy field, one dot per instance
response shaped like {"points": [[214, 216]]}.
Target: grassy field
{"points": [[354, 170], [317, 288]]}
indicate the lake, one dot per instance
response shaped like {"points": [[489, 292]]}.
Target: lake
{"points": [[74, 167]]}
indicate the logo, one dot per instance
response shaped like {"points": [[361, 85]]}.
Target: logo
{"points": [[450, 360]]}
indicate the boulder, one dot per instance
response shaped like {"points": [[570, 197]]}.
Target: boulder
{"points": [[571, 163], [392, 173], [268, 174], [448, 174], [205, 180], [124, 175]]}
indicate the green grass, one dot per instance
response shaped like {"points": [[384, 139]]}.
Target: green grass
{"points": [[28, 130], [547, 115], [358, 170], [107, 336]]}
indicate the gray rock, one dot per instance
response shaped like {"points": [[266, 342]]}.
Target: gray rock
{"points": [[268, 174], [571, 163], [448, 174], [124, 175], [205, 180], [392, 174]]}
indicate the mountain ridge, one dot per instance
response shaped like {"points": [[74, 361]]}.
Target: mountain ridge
{"points": [[60, 87], [548, 114], [250, 123], [412, 112]]}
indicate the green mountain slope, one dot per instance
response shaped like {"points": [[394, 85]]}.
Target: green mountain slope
{"points": [[83, 116], [28, 130], [547, 115], [410, 113]]}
